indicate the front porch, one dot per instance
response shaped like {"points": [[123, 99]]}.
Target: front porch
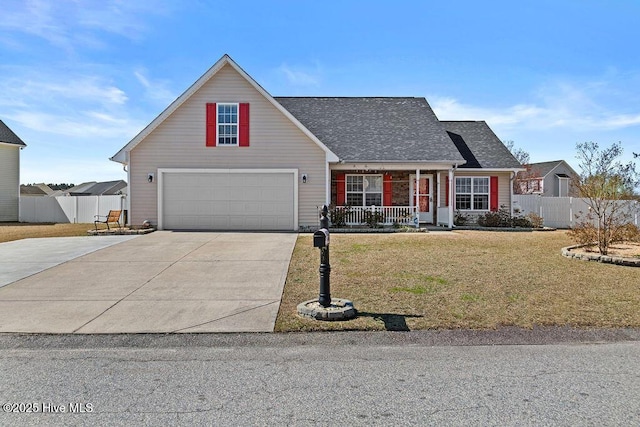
{"points": [[383, 215], [391, 197]]}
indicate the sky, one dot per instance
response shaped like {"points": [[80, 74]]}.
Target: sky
{"points": [[80, 78]]}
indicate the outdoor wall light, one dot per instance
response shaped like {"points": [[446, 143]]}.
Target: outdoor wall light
{"points": [[150, 177], [304, 178]]}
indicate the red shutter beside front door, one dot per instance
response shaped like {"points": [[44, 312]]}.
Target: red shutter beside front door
{"points": [[211, 125], [243, 125], [493, 193], [340, 189], [387, 194]]}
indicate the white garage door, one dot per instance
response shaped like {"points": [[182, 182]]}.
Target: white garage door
{"points": [[228, 200]]}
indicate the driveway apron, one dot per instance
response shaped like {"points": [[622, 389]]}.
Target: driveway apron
{"points": [[164, 282]]}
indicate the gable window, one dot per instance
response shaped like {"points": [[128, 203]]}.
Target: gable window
{"points": [[364, 190], [227, 124], [472, 193]]}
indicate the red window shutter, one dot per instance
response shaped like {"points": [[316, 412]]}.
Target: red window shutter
{"points": [[387, 194], [211, 125], [243, 125], [493, 193], [340, 189], [446, 191]]}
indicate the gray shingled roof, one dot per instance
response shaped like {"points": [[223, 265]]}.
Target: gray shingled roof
{"points": [[375, 129], [480, 147], [7, 136], [543, 168]]}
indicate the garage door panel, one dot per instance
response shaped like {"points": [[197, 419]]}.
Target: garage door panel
{"points": [[228, 201]]}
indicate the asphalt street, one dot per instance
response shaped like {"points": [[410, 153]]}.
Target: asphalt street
{"points": [[569, 377]]}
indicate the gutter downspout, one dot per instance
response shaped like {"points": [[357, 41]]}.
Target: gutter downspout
{"points": [[511, 180]]}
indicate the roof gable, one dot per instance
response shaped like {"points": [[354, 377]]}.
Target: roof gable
{"points": [[375, 129], [542, 169], [121, 155], [7, 136], [480, 147]]}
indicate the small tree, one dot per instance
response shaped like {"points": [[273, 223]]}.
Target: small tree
{"points": [[608, 186], [524, 159]]}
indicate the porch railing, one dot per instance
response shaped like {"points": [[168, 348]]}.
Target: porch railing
{"points": [[386, 215]]}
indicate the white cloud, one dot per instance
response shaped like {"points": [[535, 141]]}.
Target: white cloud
{"points": [[69, 24], [299, 76], [156, 90], [589, 106]]}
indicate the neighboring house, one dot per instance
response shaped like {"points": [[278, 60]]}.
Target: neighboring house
{"points": [[108, 188], [228, 155], [36, 190], [10, 146], [549, 179]]}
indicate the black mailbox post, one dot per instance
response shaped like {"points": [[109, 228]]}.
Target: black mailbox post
{"points": [[321, 241]]}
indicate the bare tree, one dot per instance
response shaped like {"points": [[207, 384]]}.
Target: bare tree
{"points": [[523, 158], [608, 186]]}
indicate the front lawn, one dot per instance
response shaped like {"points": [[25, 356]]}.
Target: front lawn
{"points": [[461, 279], [16, 231]]}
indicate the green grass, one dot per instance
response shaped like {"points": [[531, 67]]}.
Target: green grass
{"points": [[461, 279]]}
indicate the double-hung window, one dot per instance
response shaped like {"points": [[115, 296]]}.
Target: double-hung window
{"points": [[228, 124], [472, 193], [364, 190]]}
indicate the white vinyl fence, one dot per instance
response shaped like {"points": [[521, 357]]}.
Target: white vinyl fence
{"points": [[560, 212], [71, 209]]}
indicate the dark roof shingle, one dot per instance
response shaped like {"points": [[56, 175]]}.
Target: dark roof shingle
{"points": [[8, 137], [480, 147], [375, 129]]}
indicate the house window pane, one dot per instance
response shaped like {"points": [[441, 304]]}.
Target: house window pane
{"points": [[373, 199], [227, 124], [472, 193], [463, 201], [481, 185], [374, 183], [463, 185], [364, 190], [354, 199], [481, 202]]}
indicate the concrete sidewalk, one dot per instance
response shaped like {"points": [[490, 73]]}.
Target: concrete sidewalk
{"points": [[161, 282], [23, 258]]}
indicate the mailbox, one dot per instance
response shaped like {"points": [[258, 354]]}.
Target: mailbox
{"points": [[321, 238]]}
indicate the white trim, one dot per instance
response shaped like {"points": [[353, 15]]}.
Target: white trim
{"points": [[491, 170], [391, 166], [162, 171], [488, 178], [414, 179], [327, 176], [236, 124], [12, 145], [364, 190], [226, 59]]}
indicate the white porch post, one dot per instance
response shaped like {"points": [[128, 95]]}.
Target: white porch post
{"points": [[452, 201], [327, 184], [416, 201]]}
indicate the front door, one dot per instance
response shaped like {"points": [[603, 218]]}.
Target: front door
{"points": [[422, 199]]}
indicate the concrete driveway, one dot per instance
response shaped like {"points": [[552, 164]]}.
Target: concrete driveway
{"points": [[160, 282]]}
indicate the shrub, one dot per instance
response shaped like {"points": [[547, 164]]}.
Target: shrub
{"points": [[460, 218], [500, 218], [373, 219], [536, 220], [338, 215]]}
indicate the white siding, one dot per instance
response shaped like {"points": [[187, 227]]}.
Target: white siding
{"points": [[9, 182], [179, 142]]}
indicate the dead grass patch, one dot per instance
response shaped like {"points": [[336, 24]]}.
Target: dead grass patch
{"points": [[17, 231], [462, 279]]}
